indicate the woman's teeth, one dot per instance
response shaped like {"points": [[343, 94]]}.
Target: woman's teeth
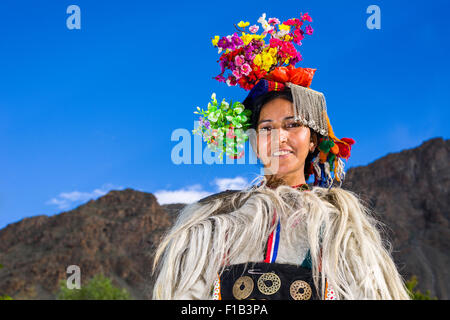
{"points": [[280, 153]]}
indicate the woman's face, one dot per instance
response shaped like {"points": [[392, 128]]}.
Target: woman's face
{"points": [[283, 143]]}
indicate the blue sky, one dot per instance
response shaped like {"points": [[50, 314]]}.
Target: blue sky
{"points": [[86, 111]]}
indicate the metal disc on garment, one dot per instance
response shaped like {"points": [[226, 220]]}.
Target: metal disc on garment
{"points": [[243, 287], [300, 290], [269, 283]]}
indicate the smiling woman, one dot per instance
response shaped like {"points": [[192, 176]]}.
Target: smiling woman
{"points": [[284, 145], [281, 238]]}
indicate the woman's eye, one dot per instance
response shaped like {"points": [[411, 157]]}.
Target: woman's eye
{"points": [[265, 129], [293, 125]]}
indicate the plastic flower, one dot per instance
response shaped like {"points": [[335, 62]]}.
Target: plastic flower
{"points": [[267, 61], [237, 74], [273, 51], [239, 61], [231, 81], [243, 24], [262, 19], [273, 21], [230, 133], [220, 78], [306, 17], [254, 29], [246, 69], [257, 60], [260, 56], [215, 40]]}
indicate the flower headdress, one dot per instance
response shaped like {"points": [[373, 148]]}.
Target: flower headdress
{"points": [[265, 62]]}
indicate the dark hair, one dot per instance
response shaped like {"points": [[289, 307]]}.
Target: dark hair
{"points": [[256, 105]]}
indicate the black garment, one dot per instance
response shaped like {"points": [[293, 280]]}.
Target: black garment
{"points": [[268, 281]]}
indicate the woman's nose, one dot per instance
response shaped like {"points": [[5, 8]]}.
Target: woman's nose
{"points": [[283, 135]]}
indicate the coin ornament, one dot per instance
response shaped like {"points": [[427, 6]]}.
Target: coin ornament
{"points": [[269, 283], [243, 287], [300, 290]]}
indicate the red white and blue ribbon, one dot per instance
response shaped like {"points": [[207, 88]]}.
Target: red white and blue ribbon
{"points": [[272, 244]]}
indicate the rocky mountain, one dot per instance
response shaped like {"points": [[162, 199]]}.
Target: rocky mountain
{"points": [[114, 235], [409, 193], [117, 234]]}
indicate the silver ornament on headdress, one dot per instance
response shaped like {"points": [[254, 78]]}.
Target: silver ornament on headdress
{"points": [[310, 108]]}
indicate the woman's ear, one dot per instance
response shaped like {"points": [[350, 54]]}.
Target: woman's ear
{"points": [[312, 146]]}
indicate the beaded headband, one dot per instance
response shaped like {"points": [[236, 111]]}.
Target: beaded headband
{"points": [[249, 61]]}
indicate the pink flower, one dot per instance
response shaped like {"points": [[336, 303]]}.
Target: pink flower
{"points": [[306, 17], [238, 61], [309, 30], [273, 21], [269, 30], [230, 133], [254, 29], [293, 22], [246, 69], [274, 42], [298, 36], [236, 74]]}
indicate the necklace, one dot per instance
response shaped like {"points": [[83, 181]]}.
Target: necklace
{"points": [[301, 187]]}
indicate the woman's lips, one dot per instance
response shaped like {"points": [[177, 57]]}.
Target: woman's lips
{"points": [[283, 153]]}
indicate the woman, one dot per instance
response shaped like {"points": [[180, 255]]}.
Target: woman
{"points": [[280, 239]]}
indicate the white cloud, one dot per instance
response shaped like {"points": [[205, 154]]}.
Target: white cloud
{"points": [[186, 195], [195, 192], [67, 200], [237, 183]]}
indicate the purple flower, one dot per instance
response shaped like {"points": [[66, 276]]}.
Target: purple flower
{"points": [[236, 40], [223, 65], [223, 43], [207, 124], [309, 30], [220, 78]]}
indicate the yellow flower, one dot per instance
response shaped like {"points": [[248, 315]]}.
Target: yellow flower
{"points": [[246, 38], [267, 61], [284, 27], [257, 60], [243, 24], [288, 38], [215, 40], [273, 51]]}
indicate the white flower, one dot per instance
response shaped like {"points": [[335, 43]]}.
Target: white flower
{"points": [[238, 109], [280, 34], [212, 117], [262, 19], [225, 105]]}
